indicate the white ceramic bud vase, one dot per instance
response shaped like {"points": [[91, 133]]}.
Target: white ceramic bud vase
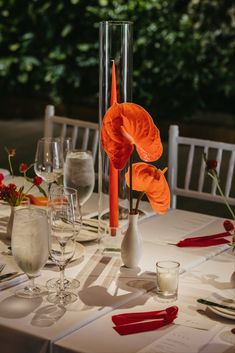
{"points": [[131, 248]]}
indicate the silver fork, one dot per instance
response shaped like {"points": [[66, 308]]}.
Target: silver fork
{"points": [[2, 267]]}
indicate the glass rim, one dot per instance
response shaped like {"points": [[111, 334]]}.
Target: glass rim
{"points": [[174, 264], [83, 151], [49, 139], [37, 211], [60, 187], [118, 23]]}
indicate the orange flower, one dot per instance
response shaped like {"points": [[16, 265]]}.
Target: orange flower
{"points": [[125, 125], [150, 180], [38, 200]]}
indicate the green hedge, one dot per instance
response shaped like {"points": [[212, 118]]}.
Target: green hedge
{"points": [[184, 51]]}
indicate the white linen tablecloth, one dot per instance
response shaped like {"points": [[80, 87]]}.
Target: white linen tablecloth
{"points": [[197, 329], [105, 285]]}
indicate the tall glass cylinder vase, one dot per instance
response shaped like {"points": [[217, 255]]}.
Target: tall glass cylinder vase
{"points": [[115, 85]]}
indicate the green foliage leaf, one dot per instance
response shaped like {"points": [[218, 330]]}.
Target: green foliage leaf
{"points": [[183, 51]]}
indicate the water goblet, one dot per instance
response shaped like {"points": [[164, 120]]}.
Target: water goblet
{"points": [[59, 192], [30, 239], [62, 242], [49, 160], [79, 173]]}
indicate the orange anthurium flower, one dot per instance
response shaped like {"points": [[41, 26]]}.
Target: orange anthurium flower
{"points": [[150, 180], [38, 200], [125, 125]]}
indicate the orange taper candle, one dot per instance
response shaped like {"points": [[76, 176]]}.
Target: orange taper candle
{"points": [[113, 172]]}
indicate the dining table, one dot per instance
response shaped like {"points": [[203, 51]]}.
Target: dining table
{"points": [[108, 288]]}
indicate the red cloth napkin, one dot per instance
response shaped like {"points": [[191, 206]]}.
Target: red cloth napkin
{"points": [[207, 240], [137, 322]]}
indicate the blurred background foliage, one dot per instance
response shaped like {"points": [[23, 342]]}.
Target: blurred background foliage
{"points": [[184, 52]]}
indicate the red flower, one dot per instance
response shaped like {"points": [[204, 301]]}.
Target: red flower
{"points": [[211, 164], [1, 178], [23, 167], [11, 186], [228, 225], [37, 180], [11, 152]]}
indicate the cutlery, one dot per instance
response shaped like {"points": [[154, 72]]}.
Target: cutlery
{"points": [[91, 222], [9, 276], [208, 302], [2, 267], [88, 229]]}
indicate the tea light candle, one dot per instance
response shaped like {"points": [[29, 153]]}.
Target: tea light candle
{"points": [[167, 282], [167, 279]]}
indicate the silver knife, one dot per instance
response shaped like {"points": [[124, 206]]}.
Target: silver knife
{"points": [[208, 302], [8, 276]]}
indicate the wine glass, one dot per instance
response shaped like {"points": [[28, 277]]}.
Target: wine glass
{"points": [[79, 173], [67, 145], [49, 160], [30, 239], [62, 241], [59, 192]]}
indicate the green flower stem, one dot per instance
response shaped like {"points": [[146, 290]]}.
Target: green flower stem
{"points": [[29, 189], [130, 182], [10, 165], [138, 201], [214, 177]]}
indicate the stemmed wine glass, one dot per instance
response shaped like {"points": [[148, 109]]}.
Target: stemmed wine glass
{"points": [[49, 160], [57, 193], [79, 173], [30, 239], [67, 145], [64, 227]]}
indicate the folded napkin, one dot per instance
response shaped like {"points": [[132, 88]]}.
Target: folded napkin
{"points": [[207, 240], [143, 321]]}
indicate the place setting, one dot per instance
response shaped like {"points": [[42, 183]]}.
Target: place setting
{"points": [[220, 304]]}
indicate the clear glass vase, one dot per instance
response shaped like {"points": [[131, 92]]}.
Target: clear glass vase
{"points": [[115, 79]]}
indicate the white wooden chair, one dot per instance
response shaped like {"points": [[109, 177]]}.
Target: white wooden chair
{"points": [[84, 134], [186, 168]]}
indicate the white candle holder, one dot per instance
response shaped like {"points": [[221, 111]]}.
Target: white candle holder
{"points": [[167, 280]]}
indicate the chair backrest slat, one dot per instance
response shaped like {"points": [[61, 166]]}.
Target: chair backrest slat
{"points": [[85, 139], [74, 136], [95, 143], [189, 167], [218, 159], [230, 174], [202, 170], [63, 131]]}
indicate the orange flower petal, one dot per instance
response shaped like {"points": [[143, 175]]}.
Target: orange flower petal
{"points": [[126, 124], [147, 178], [38, 200], [141, 179]]}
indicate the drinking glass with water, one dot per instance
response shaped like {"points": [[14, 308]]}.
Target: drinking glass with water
{"points": [[79, 173]]}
